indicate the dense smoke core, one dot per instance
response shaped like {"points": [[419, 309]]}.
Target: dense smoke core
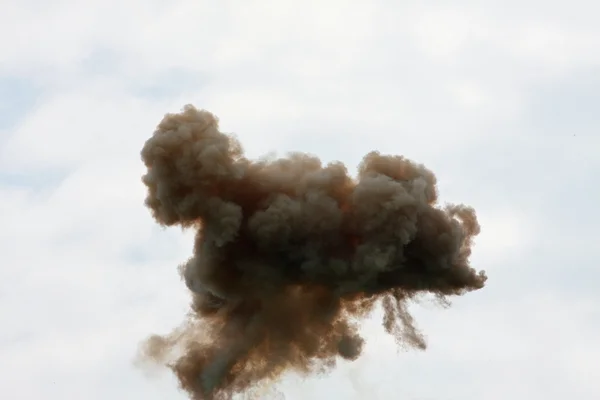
{"points": [[290, 252]]}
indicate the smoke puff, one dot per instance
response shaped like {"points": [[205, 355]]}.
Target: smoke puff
{"points": [[289, 253]]}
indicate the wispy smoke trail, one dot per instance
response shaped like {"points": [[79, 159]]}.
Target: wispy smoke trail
{"points": [[290, 253]]}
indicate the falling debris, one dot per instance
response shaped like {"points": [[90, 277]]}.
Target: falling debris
{"points": [[290, 253]]}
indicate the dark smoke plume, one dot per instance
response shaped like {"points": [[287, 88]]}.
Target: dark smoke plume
{"points": [[289, 253]]}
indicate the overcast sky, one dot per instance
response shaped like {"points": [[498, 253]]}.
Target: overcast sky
{"points": [[500, 99]]}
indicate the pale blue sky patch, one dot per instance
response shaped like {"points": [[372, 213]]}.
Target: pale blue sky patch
{"points": [[567, 106], [34, 181], [169, 83], [102, 61], [17, 97]]}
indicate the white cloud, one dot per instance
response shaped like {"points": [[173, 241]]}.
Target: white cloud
{"points": [[86, 274]]}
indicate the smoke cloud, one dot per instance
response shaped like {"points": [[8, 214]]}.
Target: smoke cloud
{"points": [[290, 254]]}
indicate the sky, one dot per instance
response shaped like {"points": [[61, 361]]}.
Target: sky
{"points": [[499, 98]]}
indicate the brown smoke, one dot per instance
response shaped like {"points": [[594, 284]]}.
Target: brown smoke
{"points": [[290, 253]]}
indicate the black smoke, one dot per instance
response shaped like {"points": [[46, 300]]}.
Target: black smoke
{"points": [[289, 253]]}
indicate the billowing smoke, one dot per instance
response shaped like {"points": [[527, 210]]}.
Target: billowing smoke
{"points": [[290, 254]]}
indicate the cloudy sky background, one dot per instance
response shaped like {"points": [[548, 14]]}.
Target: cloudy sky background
{"points": [[499, 98]]}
